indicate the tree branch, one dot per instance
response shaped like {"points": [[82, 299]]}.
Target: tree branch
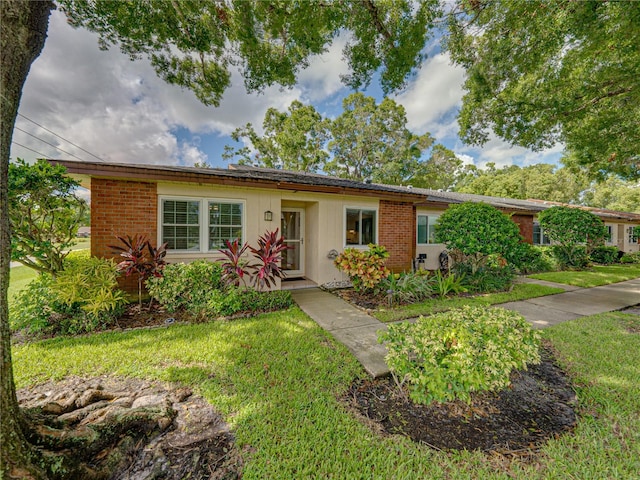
{"points": [[377, 21]]}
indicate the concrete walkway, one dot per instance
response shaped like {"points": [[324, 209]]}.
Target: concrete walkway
{"points": [[348, 324], [576, 302], [358, 331]]}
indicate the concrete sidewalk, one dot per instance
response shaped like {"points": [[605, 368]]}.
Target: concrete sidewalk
{"points": [[577, 302], [358, 331]]}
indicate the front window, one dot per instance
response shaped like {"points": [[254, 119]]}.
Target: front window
{"points": [[225, 223], [633, 234], [360, 226], [609, 235], [181, 224], [426, 229], [200, 225], [539, 237]]}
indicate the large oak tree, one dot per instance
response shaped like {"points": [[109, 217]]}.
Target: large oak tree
{"points": [[194, 45], [545, 72]]}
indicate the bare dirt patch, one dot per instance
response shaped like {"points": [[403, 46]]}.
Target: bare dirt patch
{"points": [[117, 428], [537, 406]]}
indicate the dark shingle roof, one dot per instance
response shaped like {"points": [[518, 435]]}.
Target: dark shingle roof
{"points": [[290, 180]]}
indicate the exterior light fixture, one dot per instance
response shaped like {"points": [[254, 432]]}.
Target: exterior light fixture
{"points": [[268, 216]]}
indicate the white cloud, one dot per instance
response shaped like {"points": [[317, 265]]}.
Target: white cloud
{"points": [[432, 95], [120, 110], [503, 154], [321, 79]]}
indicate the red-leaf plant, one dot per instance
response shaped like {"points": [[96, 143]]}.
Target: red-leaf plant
{"points": [[140, 258], [234, 268], [269, 255]]}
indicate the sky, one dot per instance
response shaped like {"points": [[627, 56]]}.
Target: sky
{"points": [[84, 103]]}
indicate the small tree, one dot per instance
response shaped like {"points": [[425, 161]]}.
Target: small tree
{"points": [[474, 231], [574, 231], [45, 214]]}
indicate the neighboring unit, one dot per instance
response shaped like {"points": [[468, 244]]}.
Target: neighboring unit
{"points": [[196, 210]]}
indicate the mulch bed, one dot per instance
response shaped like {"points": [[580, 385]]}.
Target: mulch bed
{"points": [[537, 406]]}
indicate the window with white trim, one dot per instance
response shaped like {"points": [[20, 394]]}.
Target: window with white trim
{"points": [[360, 226], [426, 229], [225, 223], [181, 224], [539, 237], [633, 234], [200, 225], [609, 235]]}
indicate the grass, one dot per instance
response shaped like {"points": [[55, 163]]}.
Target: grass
{"points": [[19, 277], [594, 277], [82, 243], [276, 378], [520, 291]]}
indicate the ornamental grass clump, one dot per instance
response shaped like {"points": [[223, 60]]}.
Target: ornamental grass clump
{"points": [[448, 356]]}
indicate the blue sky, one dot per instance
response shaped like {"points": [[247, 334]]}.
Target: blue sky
{"points": [[121, 112]]}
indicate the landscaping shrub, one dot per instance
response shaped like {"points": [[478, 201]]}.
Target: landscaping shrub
{"points": [[533, 259], [140, 258], [199, 288], [365, 268], [604, 255], [473, 231], [88, 288], [631, 257], [254, 301], [407, 287], [444, 284], [266, 271], [81, 298], [487, 278], [574, 257], [447, 356], [575, 233], [187, 285], [33, 305]]}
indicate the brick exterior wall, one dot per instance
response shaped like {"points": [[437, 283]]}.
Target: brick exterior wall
{"points": [[122, 207], [397, 225], [525, 224]]}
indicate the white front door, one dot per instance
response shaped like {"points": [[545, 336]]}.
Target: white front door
{"points": [[292, 226]]}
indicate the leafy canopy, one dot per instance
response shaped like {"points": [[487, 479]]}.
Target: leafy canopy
{"points": [[541, 73], [292, 140], [366, 141], [542, 181], [569, 226], [196, 44], [371, 141], [44, 212]]}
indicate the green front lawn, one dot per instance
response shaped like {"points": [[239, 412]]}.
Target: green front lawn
{"points": [[276, 378], [520, 291], [19, 277], [594, 277]]}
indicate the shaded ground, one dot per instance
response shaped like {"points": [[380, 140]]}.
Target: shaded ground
{"points": [[126, 429], [539, 405]]}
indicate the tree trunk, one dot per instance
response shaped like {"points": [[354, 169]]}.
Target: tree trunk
{"points": [[24, 29]]}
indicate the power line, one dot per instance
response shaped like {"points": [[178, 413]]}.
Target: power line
{"points": [[54, 133], [50, 144], [28, 148]]}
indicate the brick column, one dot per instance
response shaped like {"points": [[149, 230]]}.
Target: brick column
{"points": [[397, 225], [122, 207], [525, 224]]}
